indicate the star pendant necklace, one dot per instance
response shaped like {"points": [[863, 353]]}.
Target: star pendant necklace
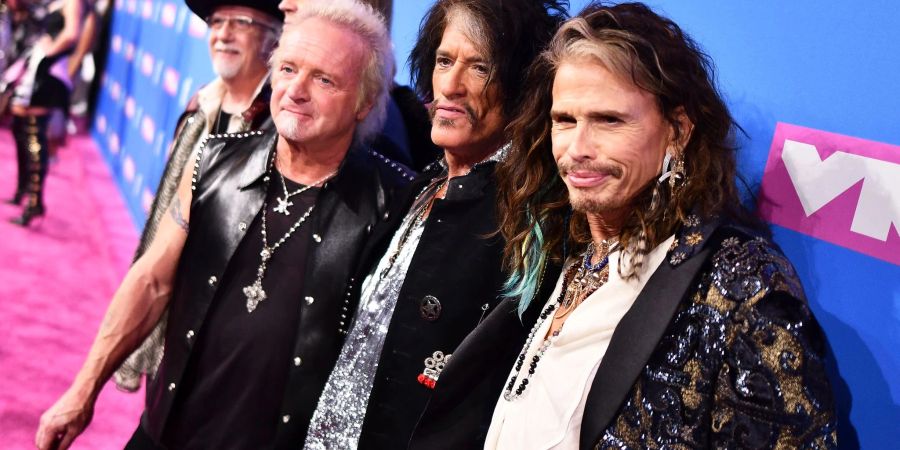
{"points": [[255, 292], [285, 202]]}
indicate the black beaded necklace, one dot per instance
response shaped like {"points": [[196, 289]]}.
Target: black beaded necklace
{"points": [[581, 272], [508, 393]]}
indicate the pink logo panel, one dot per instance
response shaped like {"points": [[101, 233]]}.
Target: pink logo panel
{"points": [[837, 188]]}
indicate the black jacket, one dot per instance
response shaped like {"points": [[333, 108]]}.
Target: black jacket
{"points": [[719, 350], [457, 262], [229, 190]]}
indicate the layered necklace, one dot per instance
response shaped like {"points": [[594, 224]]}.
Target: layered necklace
{"points": [[588, 277], [580, 281], [255, 292]]}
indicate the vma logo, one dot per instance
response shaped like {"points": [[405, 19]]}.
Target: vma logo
{"points": [[840, 189]]}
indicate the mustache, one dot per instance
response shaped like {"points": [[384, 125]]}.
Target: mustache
{"points": [[604, 168], [471, 117], [226, 48]]}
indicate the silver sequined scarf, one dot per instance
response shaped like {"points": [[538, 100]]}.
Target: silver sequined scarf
{"points": [[337, 421]]}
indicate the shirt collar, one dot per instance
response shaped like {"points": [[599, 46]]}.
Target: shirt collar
{"points": [[209, 97], [497, 156]]}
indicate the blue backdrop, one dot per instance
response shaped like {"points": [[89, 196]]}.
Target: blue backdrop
{"points": [[827, 67], [158, 58]]}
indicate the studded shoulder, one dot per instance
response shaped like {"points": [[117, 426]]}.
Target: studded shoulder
{"points": [[404, 171], [205, 141]]}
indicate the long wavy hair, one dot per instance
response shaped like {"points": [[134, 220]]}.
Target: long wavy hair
{"points": [[634, 43]]}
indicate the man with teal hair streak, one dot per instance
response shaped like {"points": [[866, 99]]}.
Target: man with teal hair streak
{"points": [[677, 322]]}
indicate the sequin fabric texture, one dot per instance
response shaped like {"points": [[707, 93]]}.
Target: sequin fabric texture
{"points": [[337, 421], [740, 365]]}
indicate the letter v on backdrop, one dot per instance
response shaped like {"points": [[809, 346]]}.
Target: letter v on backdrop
{"points": [[840, 189]]}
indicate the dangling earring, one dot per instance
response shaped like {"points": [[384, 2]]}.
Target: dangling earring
{"points": [[666, 172], [677, 177]]}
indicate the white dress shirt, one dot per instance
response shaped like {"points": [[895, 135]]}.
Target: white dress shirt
{"points": [[548, 414]]}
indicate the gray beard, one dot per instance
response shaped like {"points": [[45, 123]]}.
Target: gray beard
{"points": [[225, 71], [287, 128]]}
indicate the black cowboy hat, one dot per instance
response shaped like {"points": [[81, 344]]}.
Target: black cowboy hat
{"points": [[205, 8]]}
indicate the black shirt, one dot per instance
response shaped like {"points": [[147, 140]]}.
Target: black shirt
{"points": [[234, 383], [221, 125]]}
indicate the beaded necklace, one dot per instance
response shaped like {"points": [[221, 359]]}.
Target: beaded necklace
{"points": [[587, 279], [579, 282]]}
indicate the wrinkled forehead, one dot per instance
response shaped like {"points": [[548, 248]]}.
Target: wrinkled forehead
{"points": [[329, 44]]}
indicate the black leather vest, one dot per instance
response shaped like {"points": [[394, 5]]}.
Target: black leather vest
{"points": [[228, 192]]}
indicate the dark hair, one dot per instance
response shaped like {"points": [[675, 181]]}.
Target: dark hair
{"points": [[385, 7], [514, 33], [633, 42]]}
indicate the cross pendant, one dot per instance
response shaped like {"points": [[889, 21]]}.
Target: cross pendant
{"points": [[283, 204], [255, 294]]}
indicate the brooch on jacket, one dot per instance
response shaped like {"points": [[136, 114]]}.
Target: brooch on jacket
{"points": [[434, 365]]}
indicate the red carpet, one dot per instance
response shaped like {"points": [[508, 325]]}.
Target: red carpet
{"points": [[56, 279]]}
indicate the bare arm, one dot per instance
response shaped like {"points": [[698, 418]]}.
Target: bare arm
{"points": [[85, 42], [68, 37], [132, 314]]}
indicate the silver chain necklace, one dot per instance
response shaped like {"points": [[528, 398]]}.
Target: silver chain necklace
{"points": [[284, 203], [255, 292]]}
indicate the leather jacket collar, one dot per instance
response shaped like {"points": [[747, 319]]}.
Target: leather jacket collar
{"points": [[355, 161]]}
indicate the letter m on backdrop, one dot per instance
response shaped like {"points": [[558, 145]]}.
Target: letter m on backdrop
{"points": [[840, 189]]}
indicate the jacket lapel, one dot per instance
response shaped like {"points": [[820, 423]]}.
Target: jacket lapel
{"points": [[633, 341], [460, 408], [459, 411], [257, 162], [382, 233], [501, 330]]}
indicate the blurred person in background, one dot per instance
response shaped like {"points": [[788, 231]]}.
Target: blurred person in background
{"points": [[41, 84], [242, 35]]}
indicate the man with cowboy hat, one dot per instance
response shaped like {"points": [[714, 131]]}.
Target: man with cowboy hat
{"points": [[242, 36]]}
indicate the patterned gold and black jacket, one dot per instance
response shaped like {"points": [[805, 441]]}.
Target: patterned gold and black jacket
{"points": [[720, 350]]}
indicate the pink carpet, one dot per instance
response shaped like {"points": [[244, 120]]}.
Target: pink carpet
{"points": [[56, 279]]}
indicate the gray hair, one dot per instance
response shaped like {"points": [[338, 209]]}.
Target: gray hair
{"points": [[269, 41], [378, 70]]}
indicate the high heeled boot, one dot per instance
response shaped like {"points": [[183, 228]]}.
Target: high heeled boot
{"points": [[18, 132], [38, 158]]}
